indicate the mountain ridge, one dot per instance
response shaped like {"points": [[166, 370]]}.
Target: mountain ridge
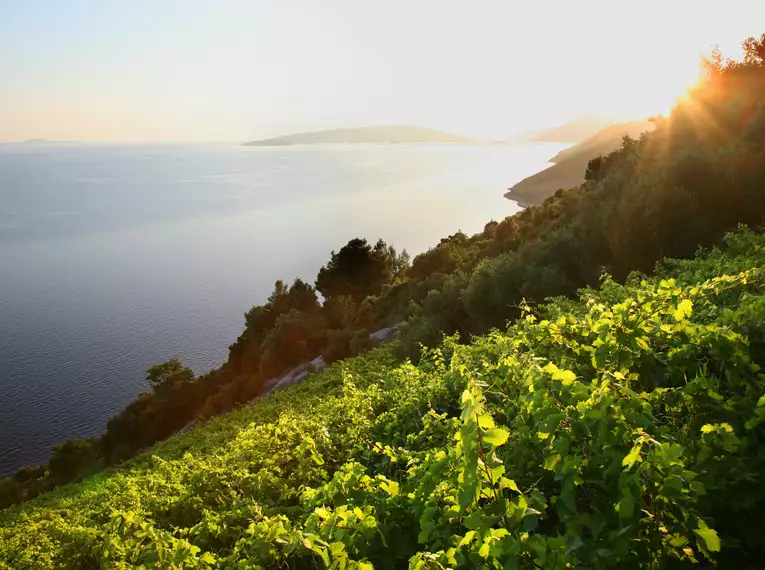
{"points": [[574, 131], [366, 134]]}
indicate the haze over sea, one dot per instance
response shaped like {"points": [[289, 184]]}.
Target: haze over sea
{"points": [[116, 257]]}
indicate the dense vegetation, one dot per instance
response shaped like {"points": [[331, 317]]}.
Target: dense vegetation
{"points": [[696, 176], [626, 429], [289, 329]]}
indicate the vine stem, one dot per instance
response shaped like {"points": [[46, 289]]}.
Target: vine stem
{"points": [[488, 476]]}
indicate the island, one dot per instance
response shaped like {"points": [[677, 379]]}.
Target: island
{"points": [[371, 134], [39, 142]]}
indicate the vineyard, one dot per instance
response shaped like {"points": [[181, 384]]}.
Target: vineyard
{"points": [[624, 429]]}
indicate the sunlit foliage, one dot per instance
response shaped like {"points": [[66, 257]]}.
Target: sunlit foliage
{"points": [[696, 176], [624, 430]]}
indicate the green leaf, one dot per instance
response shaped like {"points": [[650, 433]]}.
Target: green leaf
{"points": [[486, 421], [709, 536], [626, 506], [684, 309], [552, 461], [468, 538], [323, 513], [505, 483], [633, 456], [474, 520], [565, 377], [699, 487], [496, 436], [391, 487]]}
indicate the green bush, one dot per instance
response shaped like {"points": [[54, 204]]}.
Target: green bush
{"points": [[71, 458]]}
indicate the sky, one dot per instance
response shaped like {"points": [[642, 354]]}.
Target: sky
{"points": [[235, 70]]}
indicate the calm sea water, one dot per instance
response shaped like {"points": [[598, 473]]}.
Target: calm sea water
{"points": [[113, 258]]}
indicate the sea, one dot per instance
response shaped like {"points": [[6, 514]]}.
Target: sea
{"points": [[116, 257]]}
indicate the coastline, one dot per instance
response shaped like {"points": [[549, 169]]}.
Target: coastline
{"points": [[519, 201]]}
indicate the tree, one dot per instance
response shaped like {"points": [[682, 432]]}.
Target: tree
{"points": [[400, 262], [340, 312], [714, 64], [301, 296], [245, 353], [344, 343], [131, 429], [281, 290], [357, 270], [593, 169], [168, 376], [754, 51], [295, 338], [449, 255]]}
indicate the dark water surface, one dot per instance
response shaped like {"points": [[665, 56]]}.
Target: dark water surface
{"points": [[113, 258]]}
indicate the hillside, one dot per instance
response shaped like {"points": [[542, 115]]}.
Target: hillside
{"points": [[624, 429], [373, 134], [573, 131], [570, 164], [611, 427], [604, 141]]}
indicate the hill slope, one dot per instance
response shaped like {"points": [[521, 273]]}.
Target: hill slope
{"points": [[624, 429], [621, 430], [571, 132], [373, 134], [571, 163], [681, 187]]}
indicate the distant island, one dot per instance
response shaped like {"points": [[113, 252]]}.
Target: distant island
{"points": [[571, 163], [38, 141], [373, 134]]}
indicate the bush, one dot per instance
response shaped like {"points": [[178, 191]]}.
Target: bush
{"points": [[27, 474], [70, 459], [11, 492], [344, 343]]}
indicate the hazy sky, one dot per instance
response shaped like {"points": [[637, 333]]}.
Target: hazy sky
{"points": [[141, 70]]}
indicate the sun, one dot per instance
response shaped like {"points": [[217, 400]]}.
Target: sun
{"points": [[681, 94], [659, 92]]}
